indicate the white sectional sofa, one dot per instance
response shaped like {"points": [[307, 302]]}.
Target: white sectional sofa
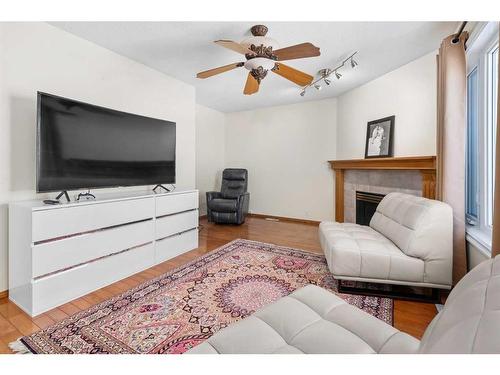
{"points": [[313, 320], [409, 242]]}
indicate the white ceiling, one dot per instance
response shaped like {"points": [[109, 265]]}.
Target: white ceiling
{"points": [[181, 49]]}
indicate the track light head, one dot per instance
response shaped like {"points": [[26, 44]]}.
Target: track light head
{"points": [[326, 75]]}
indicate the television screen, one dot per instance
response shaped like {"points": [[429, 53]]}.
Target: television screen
{"points": [[83, 146]]}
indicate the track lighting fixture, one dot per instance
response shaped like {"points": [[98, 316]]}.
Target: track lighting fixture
{"points": [[325, 74]]}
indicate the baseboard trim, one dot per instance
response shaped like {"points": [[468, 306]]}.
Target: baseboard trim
{"points": [[277, 218], [284, 218], [4, 294]]}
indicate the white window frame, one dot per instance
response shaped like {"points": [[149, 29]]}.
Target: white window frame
{"points": [[483, 41]]}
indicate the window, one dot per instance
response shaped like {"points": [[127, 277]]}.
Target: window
{"points": [[482, 85], [491, 123], [472, 175]]}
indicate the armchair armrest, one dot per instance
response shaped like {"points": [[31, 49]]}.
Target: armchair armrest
{"points": [[212, 195], [243, 203]]}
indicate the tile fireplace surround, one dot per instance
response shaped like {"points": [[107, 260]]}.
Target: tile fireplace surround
{"points": [[377, 181], [412, 175]]}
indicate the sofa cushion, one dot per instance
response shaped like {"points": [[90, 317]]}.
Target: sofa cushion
{"points": [[420, 228], [223, 205], [470, 319], [310, 320], [354, 250]]}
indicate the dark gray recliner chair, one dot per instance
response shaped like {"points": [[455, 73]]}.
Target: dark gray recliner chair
{"points": [[230, 205]]}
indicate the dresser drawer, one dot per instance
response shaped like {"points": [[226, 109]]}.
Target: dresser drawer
{"points": [[169, 204], [172, 224], [60, 254], [65, 221], [176, 245], [54, 290]]}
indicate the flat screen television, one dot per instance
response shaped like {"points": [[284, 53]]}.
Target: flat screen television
{"points": [[83, 146]]}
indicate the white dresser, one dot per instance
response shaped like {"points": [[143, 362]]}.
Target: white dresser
{"points": [[62, 252]]}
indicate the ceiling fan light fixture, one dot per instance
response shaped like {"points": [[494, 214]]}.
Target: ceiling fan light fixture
{"points": [[261, 41], [266, 64]]}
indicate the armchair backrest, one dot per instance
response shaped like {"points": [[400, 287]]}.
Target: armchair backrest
{"points": [[420, 228], [470, 319], [234, 183]]}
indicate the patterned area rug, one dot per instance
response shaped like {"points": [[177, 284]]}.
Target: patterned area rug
{"points": [[182, 308]]}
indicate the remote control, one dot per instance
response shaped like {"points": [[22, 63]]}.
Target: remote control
{"points": [[51, 201]]}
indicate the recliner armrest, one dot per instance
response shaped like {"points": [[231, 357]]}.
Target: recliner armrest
{"points": [[213, 195], [243, 195], [243, 205], [243, 202]]}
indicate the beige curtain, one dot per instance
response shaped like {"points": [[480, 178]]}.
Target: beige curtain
{"points": [[451, 127], [495, 245]]}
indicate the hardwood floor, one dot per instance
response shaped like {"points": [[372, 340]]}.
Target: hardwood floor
{"points": [[410, 317]]}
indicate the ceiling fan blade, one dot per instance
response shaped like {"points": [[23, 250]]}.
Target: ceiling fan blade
{"points": [[298, 51], [252, 86], [236, 47], [294, 75], [220, 69]]}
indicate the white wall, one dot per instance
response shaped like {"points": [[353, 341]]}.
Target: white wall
{"points": [[475, 255], [409, 93], [285, 150], [210, 151], [37, 56]]}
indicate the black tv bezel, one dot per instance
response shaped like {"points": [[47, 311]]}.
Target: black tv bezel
{"points": [[38, 152]]}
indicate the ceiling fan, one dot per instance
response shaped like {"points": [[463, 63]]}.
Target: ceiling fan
{"points": [[261, 56]]}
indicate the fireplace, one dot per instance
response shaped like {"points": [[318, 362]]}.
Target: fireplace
{"points": [[384, 175], [366, 205]]}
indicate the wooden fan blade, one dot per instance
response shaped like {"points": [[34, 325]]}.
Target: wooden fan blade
{"points": [[220, 69], [298, 51], [252, 86], [294, 75], [236, 47]]}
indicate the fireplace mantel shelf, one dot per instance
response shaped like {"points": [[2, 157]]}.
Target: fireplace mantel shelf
{"points": [[405, 163], [425, 164]]}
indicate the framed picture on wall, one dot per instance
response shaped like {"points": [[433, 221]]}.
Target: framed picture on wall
{"points": [[379, 138]]}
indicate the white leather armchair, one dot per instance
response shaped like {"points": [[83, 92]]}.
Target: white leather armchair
{"points": [[313, 320], [409, 242]]}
